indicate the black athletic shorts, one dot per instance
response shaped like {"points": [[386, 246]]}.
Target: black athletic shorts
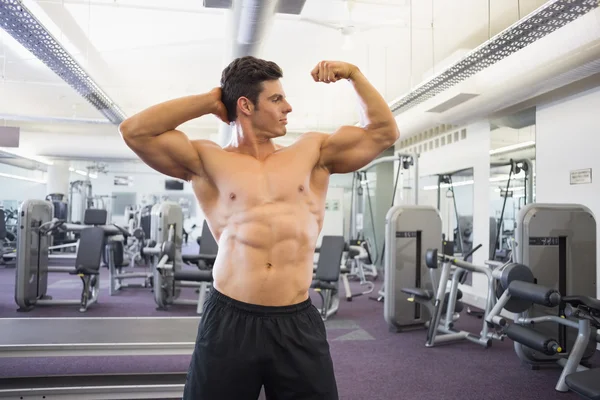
{"points": [[241, 347]]}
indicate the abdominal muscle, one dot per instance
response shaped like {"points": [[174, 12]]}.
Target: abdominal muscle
{"points": [[266, 254]]}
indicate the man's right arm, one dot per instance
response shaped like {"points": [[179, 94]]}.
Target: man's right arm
{"points": [[153, 136]]}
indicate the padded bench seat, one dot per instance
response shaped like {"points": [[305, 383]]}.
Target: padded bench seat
{"points": [[196, 258], [585, 383], [195, 276]]}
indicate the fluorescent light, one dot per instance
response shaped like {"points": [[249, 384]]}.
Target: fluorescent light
{"points": [[22, 154], [512, 189], [512, 147], [22, 178], [447, 185], [93, 176], [501, 178]]}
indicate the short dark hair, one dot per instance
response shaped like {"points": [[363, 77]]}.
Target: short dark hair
{"points": [[243, 77]]}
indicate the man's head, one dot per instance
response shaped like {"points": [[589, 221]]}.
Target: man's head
{"points": [[250, 89]]}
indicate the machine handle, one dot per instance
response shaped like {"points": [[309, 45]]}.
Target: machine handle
{"points": [[531, 292], [533, 339], [469, 254]]}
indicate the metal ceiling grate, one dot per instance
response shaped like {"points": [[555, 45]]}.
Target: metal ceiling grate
{"points": [[548, 18], [20, 23]]}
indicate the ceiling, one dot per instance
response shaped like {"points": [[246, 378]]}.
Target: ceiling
{"points": [[144, 52]]}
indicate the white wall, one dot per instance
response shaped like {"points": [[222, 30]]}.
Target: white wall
{"points": [[472, 152], [567, 139], [19, 190]]}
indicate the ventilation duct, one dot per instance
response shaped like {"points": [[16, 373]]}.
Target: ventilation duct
{"points": [[293, 7], [545, 20], [22, 25], [250, 21], [255, 18]]}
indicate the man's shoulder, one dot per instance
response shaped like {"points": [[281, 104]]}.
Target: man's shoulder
{"points": [[205, 143], [313, 137]]}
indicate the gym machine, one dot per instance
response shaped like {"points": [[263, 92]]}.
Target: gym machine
{"points": [[7, 246], [500, 246], [355, 262], [36, 223], [125, 255], [119, 259], [409, 230], [327, 275], [558, 243], [361, 201], [579, 313], [169, 276], [499, 277]]}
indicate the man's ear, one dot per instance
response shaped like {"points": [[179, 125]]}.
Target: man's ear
{"points": [[245, 105]]}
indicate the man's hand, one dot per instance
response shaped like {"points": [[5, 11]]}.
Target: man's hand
{"points": [[333, 71], [219, 108]]}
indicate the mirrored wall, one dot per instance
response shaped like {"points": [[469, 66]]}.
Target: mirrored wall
{"points": [[512, 177], [452, 194]]}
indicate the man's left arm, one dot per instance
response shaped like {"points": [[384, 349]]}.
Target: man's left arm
{"points": [[351, 147]]}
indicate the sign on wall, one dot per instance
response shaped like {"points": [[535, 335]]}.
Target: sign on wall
{"points": [[581, 176]]}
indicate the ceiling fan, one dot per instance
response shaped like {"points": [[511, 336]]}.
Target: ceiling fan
{"points": [[347, 26]]}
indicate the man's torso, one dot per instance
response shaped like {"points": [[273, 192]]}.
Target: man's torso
{"points": [[266, 216]]}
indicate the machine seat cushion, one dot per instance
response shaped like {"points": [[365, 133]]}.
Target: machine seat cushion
{"points": [[2, 225], [195, 258], [585, 383], [323, 285], [417, 292], [195, 276], [330, 259], [89, 252], [208, 244], [95, 216]]}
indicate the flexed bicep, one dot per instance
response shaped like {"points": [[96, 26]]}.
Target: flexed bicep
{"points": [[351, 148]]}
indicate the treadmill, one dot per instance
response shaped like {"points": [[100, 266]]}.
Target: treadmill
{"points": [[82, 336]]}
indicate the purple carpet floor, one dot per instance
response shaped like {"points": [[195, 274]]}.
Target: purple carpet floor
{"points": [[370, 361]]}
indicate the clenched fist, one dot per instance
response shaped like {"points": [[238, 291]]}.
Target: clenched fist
{"points": [[332, 71]]}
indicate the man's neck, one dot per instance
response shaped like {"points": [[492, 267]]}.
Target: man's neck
{"points": [[247, 142]]}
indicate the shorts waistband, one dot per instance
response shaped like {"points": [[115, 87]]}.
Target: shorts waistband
{"points": [[259, 309]]}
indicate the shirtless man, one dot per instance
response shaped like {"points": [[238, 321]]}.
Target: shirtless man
{"points": [[264, 205]]}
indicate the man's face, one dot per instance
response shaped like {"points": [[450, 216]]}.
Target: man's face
{"points": [[270, 116]]}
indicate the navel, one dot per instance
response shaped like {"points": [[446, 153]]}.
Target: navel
{"points": [[269, 265], [232, 196], [301, 188]]}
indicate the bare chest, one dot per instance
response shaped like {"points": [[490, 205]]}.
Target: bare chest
{"points": [[276, 181], [238, 182]]}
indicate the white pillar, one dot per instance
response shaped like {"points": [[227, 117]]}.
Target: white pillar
{"points": [[58, 178]]}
